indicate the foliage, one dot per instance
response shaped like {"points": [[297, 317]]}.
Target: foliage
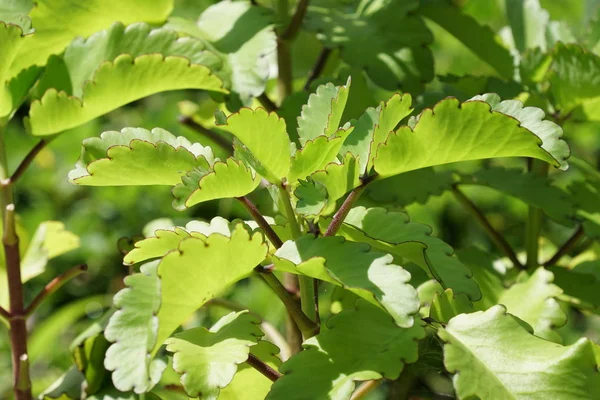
{"points": [[321, 213]]}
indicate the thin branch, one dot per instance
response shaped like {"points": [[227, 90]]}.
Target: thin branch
{"points": [[306, 325], [289, 212], [221, 141], [493, 234], [266, 102], [262, 367], [26, 162], [343, 211], [294, 26], [261, 221], [4, 314], [53, 286], [365, 389], [318, 67], [566, 247]]}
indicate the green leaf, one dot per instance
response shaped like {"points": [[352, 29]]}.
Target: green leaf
{"points": [[393, 233], [585, 195], [541, 310], [374, 126], [312, 198], [67, 387], [136, 156], [316, 154], [575, 81], [489, 280], [354, 266], [495, 357], [207, 360], [447, 305], [479, 39], [530, 188], [15, 12], [580, 287], [379, 350], [113, 394], [454, 132], [265, 136], [322, 114], [133, 329], [57, 22], [362, 32], [227, 179], [11, 41], [528, 22], [115, 84], [243, 37]]}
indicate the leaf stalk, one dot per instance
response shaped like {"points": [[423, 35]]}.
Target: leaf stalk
{"points": [[218, 139], [261, 221], [263, 367], [566, 247]]}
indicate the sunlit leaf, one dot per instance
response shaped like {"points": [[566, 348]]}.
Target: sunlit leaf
{"points": [[447, 305], [495, 357], [11, 41], [379, 350]]}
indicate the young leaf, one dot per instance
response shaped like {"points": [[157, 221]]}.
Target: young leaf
{"points": [[322, 114], [223, 180], [354, 266], [495, 357], [207, 360], [133, 329], [58, 22], [447, 305], [362, 32], [454, 132], [136, 156], [376, 353], [393, 233], [115, 84], [265, 136], [541, 310]]}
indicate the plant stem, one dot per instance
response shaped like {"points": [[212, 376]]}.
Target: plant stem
{"points": [[218, 139], [289, 212], [534, 220], [53, 286], [26, 162], [4, 314], [10, 241], [262, 367], [261, 221], [266, 102], [366, 388], [493, 234], [346, 206], [566, 247], [294, 26], [306, 325], [318, 67]]}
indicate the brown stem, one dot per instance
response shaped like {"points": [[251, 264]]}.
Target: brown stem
{"points": [[266, 102], [346, 206], [18, 329], [261, 221], [365, 389], [566, 247], [222, 142], [493, 234], [26, 162], [284, 63], [262, 367], [4, 314], [53, 286], [318, 67], [294, 26]]}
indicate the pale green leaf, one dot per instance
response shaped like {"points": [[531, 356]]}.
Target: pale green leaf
{"points": [[265, 136], [362, 32], [223, 180], [136, 156], [394, 233], [495, 357], [66, 387], [322, 114], [540, 310], [207, 360], [11, 41], [115, 84], [354, 266], [479, 39], [447, 305], [57, 22], [15, 12], [452, 132], [356, 345]]}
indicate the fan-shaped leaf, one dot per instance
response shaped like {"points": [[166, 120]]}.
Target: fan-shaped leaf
{"points": [[379, 350], [495, 357], [265, 136], [136, 156], [354, 266], [322, 114], [115, 84], [57, 22], [393, 233], [454, 132], [361, 31], [225, 179], [207, 360]]}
